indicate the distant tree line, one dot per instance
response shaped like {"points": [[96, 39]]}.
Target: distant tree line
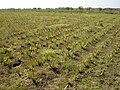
{"points": [[79, 9], [88, 9]]}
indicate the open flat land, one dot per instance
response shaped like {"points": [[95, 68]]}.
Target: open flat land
{"points": [[59, 51]]}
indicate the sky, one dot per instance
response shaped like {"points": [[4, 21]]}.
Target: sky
{"points": [[59, 3]]}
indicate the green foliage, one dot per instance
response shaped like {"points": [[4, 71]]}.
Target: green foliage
{"points": [[49, 53]]}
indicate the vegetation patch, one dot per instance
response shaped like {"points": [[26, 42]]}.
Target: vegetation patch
{"points": [[59, 50]]}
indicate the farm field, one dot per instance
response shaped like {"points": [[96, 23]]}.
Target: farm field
{"points": [[59, 51]]}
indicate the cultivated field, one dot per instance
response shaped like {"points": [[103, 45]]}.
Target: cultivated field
{"points": [[59, 51]]}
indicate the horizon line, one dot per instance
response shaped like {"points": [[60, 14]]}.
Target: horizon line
{"points": [[58, 7]]}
